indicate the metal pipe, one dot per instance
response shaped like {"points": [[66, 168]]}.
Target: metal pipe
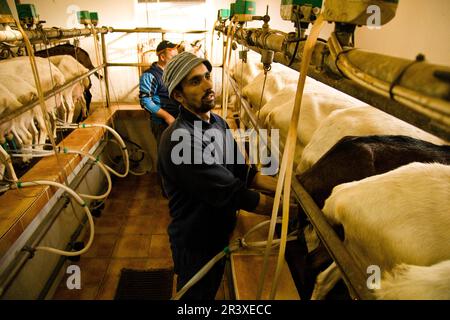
{"points": [[391, 67], [435, 109], [383, 103], [105, 70], [50, 33], [413, 100], [10, 35], [49, 94], [155, 30]]}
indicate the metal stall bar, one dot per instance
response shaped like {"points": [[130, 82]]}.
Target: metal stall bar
{"points": [[137, 30], [155, 30], [11, 115], [105, 64], [246, 106], [248, 110], [354, 277], [125, 64]]}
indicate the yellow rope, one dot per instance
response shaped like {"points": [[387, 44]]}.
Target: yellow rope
{"points": [[41, 95], [285, 176]]}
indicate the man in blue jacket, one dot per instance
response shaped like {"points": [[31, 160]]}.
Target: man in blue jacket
{"points": [[153, 94], [204, 176]]}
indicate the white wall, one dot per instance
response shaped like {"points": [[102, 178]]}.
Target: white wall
{"points": [[62, 13], [418, 27]]}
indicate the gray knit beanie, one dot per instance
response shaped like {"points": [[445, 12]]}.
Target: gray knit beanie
{"points": [[179, 67]]}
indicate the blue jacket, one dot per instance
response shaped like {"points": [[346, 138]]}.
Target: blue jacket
{"points": [[153, 95]]}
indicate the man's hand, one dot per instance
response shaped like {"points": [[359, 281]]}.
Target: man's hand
{"points": [[264, 183], [265, 206]]}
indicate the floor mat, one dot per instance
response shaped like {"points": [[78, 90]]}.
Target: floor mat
{"points": [[145, 284]]}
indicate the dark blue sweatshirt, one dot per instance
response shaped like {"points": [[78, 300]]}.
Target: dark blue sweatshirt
{"points": [[203, 195]]}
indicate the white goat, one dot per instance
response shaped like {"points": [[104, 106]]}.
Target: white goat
{"points": [[398, 217], [358, 121], [50, 77], [244, 72], [8, 103], [49, 74], [411, 282], [71, 69]]}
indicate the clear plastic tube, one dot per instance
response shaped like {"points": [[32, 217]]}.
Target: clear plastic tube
{"points": [[200, 274], [102, 167], [47, 153], [80, 202], [118, 138], [237, 244]]}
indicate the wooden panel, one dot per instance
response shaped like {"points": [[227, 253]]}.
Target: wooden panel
{"points": [[246, 265], [247, 268]]}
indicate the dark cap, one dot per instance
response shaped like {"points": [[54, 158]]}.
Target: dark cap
{"points": [[164, 45]]}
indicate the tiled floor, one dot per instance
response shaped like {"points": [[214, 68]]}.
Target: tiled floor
{"points": [[131, 233]]}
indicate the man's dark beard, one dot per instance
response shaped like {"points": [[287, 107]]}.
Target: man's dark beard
{"points": [[207, 106]]}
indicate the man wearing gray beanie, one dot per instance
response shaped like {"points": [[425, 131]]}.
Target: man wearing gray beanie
{"points": [[204, 195]]}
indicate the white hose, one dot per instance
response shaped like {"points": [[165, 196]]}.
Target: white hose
{"points": [[285, 174], [200, 274], [212, 39], [102, 167], [232, 248], [6, 159], [47, 153], [260, 225], [131, 171], [275, 243], [257, 244], [118, 138], [80, 202], [138, 173]]}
